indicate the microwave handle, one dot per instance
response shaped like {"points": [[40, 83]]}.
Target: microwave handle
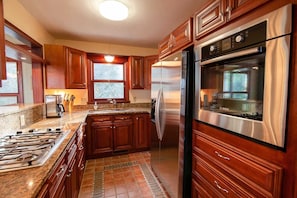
{"points": [[250, 51]]}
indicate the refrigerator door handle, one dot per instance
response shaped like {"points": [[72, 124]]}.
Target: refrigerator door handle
{"points": [[158, 116]]}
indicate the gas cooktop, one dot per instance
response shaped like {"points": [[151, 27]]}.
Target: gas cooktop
{"points": [[29, 149]]}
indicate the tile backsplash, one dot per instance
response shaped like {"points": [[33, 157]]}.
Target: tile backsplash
{"points": [[10, 121]]}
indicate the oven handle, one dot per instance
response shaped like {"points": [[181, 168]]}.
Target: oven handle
{"points": [[250, 51]]}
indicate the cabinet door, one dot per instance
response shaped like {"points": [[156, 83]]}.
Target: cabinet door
{"points": [[165, 46], [76, 69], [148, 61], [123, 133], [101, 138], [71, 180], [183, 35], [137, 72], [236, 8], [141, 131], [209, 18]]}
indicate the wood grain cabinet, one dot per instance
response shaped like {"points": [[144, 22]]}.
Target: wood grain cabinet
{"points": [[179, 38], [140, 71], [141, 131], [148, 62], [222, 170], [119, 133], [216, 13], [2, 45], [65, 67], [137, 72]]}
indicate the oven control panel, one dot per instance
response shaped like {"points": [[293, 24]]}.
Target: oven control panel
{"points": [[240, 40]]}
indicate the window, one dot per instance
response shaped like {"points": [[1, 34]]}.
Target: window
{"points": [[10, 92], [235, 85], [107, 80]]}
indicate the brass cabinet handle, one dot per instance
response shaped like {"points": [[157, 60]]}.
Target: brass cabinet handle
{"points": [[221, 188], [221, 156]]}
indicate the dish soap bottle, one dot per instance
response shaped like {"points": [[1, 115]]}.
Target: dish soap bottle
{"points": [[95, 106]]}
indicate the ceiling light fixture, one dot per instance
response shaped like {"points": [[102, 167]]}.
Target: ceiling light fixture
{"points": [[113, 10], [109, 58]]}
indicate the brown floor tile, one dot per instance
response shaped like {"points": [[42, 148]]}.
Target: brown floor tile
{"points": [[123, 177]]}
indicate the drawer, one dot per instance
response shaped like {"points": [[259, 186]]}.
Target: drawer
{"points": [[215, 182], [254, 173], [101, 118], [122, 117]]}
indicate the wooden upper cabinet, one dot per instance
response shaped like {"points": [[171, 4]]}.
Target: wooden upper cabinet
{"points": [[236, 8], [211, 17], [2, 45], [180, 37], [148, 62], [217, 13], [136, 72], [65, 67]]}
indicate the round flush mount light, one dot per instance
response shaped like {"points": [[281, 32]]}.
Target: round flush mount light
{"points": [[113, 10]]}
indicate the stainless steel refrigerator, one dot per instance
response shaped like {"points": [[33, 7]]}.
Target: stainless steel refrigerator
{"points": [[172, 98]]}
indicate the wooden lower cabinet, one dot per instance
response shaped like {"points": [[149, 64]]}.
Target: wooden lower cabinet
{"points": [[119, 133], [221, 170], [142, 131], [66, 176]]}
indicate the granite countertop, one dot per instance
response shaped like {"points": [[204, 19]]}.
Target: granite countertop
{"points": [[28, 182]]}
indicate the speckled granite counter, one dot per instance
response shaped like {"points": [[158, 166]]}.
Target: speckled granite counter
{"points": [[27, 183]]}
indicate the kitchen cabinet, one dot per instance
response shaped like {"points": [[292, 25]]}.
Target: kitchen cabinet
{"points": [[216, 13], [137, 72], [109, 134], [122, 133], [72, 189], [65, 67], [56, 181], [140, 71], [223, 170], [142, 131], [2, 45], [179, 38], [148, 62], [99, 136], [81, 152], [114, 134]]}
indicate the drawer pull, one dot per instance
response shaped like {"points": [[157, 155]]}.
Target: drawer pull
{"points": [[81, 148], [221, 188], [82, 167], [60, 171], [221, 156]]}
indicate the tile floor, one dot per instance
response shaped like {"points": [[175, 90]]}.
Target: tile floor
{"points": [[124, 176]]}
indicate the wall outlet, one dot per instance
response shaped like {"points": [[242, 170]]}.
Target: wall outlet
{"points": [[22, 120]]}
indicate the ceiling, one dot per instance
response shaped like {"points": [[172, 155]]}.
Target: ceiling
{"points": [[149, 21]]}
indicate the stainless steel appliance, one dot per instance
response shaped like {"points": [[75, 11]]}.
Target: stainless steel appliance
{"points": [[54, 106], [171, 122], [242, 78], [28, 149]]}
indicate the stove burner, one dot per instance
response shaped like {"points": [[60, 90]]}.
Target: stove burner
{"points": [[28, 149]]}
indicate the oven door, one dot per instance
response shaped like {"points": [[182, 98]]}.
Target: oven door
{"points": [[246, 92]]}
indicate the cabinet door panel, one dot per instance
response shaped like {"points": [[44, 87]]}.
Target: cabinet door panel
{"points": [[183, 35], [102, 139], [209, 18], [137, 72], [76, 66], [141, 131], [236, 8], [123, 135]]}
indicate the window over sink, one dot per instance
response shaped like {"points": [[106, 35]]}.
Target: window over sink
{"points": [[107, 80]]}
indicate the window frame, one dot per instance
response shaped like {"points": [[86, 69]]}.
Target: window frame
{"points": [[19, 95], [99, 58]]}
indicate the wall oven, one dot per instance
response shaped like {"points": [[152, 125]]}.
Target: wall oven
{"points": [[242, 78]]}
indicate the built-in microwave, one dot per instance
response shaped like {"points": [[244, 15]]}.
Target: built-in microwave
{"points": [[242, 78]]}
